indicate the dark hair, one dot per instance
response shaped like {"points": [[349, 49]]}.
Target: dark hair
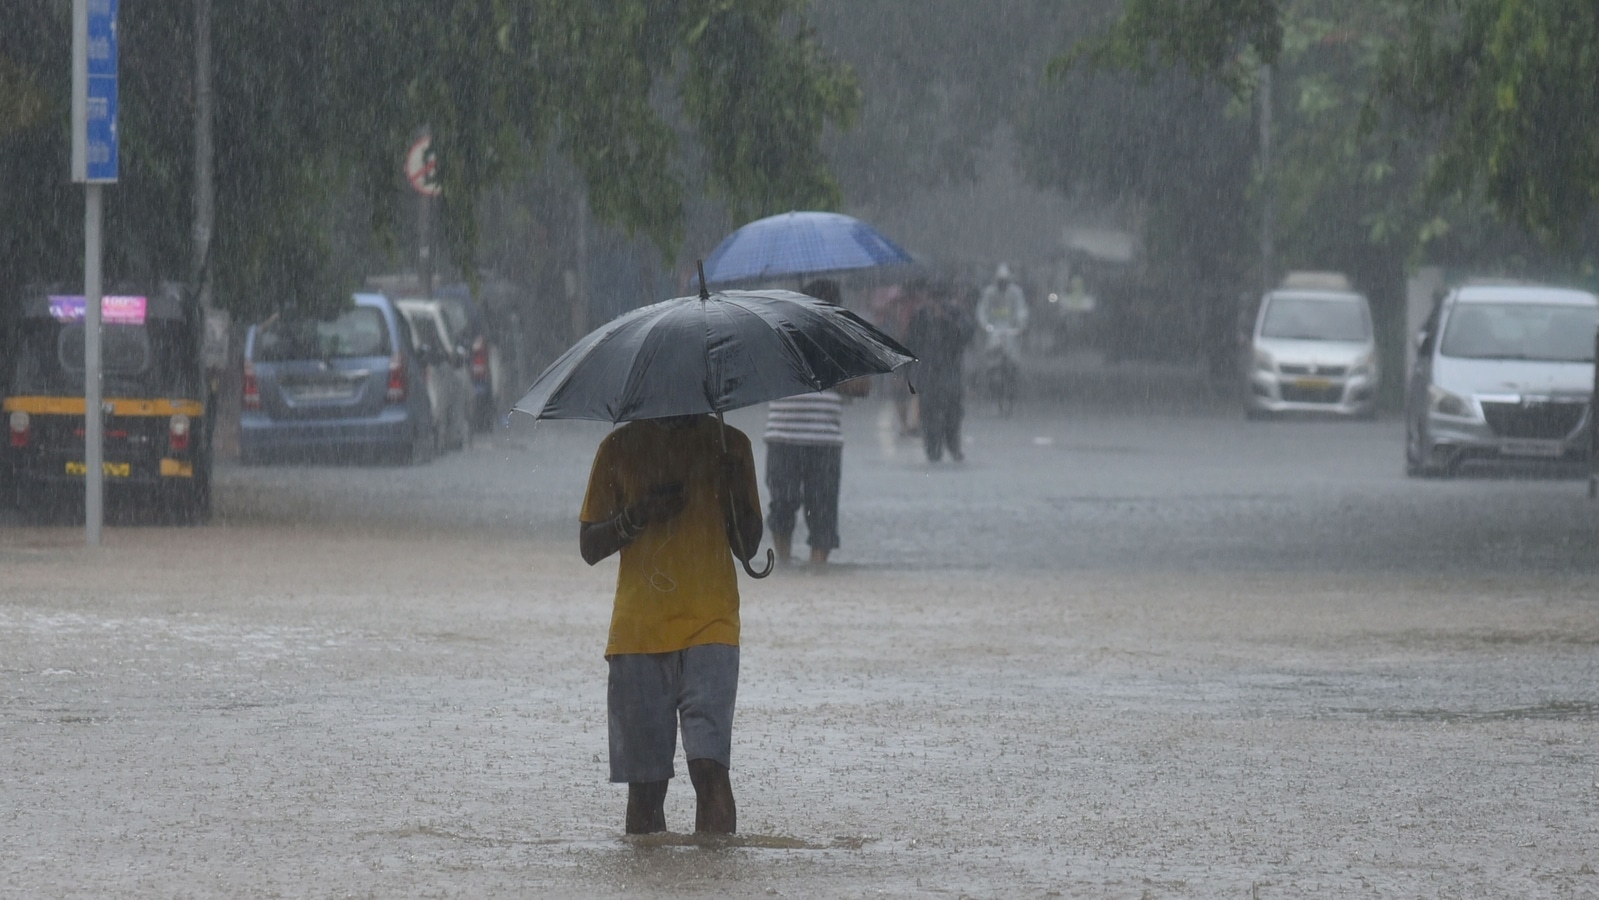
{"points": [[823, 289]]}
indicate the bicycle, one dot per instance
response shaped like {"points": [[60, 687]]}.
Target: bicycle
{"points": [[1001, 372]]}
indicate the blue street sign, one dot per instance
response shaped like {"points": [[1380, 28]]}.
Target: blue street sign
{"points": [[94, 151], [102, 48], [100, 130]]}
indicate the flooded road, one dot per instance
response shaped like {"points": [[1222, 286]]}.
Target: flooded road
{"points": [[1146, 651]]}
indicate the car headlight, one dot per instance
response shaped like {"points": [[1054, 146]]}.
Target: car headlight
{"points": [[1264, 362], [1445, 403], [1363, 368]]}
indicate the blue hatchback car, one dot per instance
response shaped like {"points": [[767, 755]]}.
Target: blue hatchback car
{"points": [[347, 387]]}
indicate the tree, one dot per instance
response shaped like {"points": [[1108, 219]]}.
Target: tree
{"points": [[1511, 87], [1503, 87], [317, 101], [941, 78]]}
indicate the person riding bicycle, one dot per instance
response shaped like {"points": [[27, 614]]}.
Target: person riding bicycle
{"points": [[1002, 313]]}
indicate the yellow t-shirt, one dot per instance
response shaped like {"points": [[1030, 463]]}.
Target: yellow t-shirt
{"points": [[675, 586]]}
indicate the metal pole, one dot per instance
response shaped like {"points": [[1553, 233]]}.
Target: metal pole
{"points": [[426, 220], [1268, 250], [204, 170], [1593, 425], [93, 450]]}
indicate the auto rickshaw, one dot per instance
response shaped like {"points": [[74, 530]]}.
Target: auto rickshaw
{"points": [[155, 408]]}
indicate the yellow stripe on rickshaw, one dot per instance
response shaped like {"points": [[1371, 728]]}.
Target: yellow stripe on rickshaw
{"points": [[120, 406]]}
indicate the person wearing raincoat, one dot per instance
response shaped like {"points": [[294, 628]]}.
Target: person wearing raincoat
{"points": [[1002, 313], [677, 498]]}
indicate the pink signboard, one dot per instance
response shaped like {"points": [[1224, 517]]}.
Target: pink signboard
{"points": [[114, 310]]}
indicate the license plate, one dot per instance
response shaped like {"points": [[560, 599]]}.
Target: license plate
{"points": [[323, 392], [1315, 383], [1543, 449], [110, 469]]}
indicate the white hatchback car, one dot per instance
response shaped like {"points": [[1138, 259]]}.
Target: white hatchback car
{"points": [[1312, 351], [1504, 372]]}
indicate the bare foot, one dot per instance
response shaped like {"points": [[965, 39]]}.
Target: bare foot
{"points": [[646, 807], [714, 810]]}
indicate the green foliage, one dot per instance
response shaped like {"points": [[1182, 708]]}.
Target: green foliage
{"points": [[1512, 85], [1222, 39], [1498, 95], [316, 103], [765, 158], [944, 77]]}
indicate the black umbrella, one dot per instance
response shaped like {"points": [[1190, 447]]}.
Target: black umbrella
{"points": [[708, 354]]}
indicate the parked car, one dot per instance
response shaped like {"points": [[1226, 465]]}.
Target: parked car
{"points": [[1312, 350], [351, 385], [155, 410], [471, 328], [1503, 372], [449, 382]]}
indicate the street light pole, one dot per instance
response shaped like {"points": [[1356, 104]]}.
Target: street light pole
{"points": [[93, 423], [1268, 250], [94, 164]]}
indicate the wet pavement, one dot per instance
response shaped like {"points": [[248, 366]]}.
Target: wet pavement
{"points": [[1132, 647]]}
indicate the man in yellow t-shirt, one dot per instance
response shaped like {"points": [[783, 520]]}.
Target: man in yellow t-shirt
{"points": [[678, 503]]}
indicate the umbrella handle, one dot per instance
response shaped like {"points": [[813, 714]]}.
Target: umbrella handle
{"points": [[770, 562], [770, 559]]}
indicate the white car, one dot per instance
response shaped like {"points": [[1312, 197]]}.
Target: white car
{"points": [[448, 376], [1503, 373], [1312, 351]]}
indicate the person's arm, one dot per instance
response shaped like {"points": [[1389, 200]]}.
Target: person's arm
{"points": [[608, 521], [597, 540]]}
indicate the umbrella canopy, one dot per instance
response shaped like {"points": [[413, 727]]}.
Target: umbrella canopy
{"points": [[798, 244], [708, 354]]}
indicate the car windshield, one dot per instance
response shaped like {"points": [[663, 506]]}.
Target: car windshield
{"points": [[1317, 319], [357, 332], [1548, 333], [149, 360]]}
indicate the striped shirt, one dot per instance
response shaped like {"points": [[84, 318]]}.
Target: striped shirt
{"points": [[806, 419]]}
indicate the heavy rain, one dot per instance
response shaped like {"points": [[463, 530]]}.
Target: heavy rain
{"points": [[1232, 535]]}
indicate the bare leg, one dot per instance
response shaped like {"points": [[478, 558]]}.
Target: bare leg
{"points": [[783, 544], [646, 806], [714, 811], [818, 556]]}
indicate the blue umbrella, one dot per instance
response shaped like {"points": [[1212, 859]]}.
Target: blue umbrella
{"points": [[799, 244]]}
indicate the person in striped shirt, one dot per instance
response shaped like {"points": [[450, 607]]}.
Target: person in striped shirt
{"points": [[804, 457]]}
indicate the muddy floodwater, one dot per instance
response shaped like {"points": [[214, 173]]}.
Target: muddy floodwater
{"points": [[434, 727], [365, 704]]}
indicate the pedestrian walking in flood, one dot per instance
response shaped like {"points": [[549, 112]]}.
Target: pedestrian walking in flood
{"points": [[804, 457], [673, 493], [938, 335], [677, 497]]}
